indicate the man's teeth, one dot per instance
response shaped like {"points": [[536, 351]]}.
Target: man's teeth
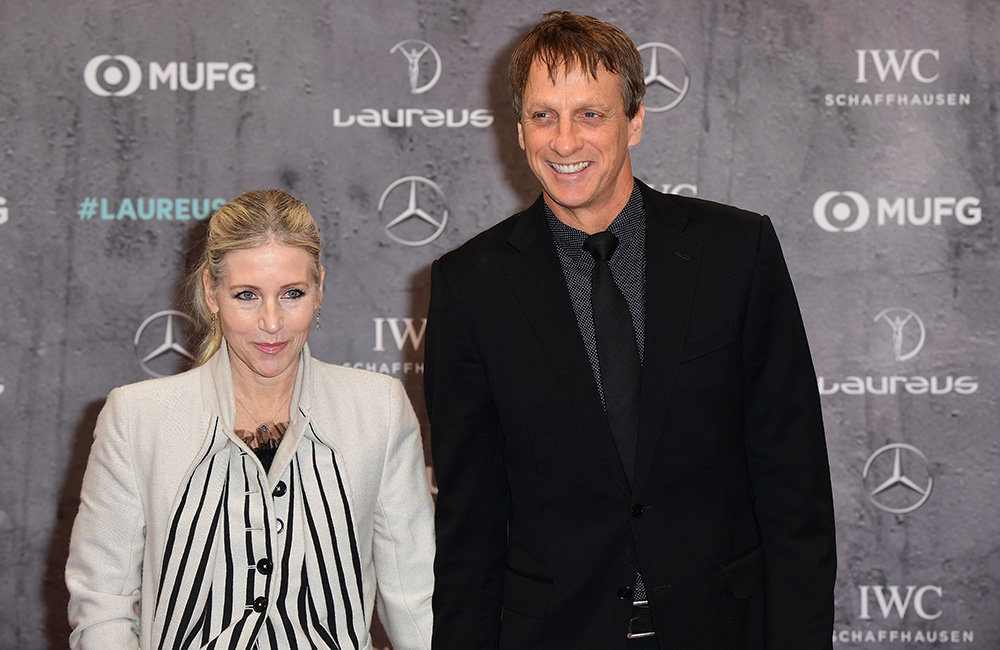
{"points": [[569, 169]]}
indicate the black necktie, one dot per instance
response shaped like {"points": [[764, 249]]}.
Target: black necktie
{"points": [[616, 349]]}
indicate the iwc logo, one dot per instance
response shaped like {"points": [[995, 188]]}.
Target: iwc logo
{"points": [[161, 343], [667, 76], [415, 51], [897, 478], [900, 78], [413, 211]]}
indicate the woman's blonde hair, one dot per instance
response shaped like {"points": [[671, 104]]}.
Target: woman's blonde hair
{"points": [[253, 219]]}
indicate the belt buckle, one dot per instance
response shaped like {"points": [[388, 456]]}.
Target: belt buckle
{"points": [[641, 620]]}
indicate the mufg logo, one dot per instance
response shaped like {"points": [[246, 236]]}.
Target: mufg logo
{"points": [[845, 211], [119, 75]]}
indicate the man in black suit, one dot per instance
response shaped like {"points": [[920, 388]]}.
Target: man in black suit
{"points": [[668, 488]]}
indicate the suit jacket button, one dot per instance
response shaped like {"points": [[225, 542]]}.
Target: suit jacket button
{"points": [[625, 593], [264, 565], [259, 604], [280, 489], [636, 511]]}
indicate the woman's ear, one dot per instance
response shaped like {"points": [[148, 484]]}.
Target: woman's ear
{"points": [[206, 283]]}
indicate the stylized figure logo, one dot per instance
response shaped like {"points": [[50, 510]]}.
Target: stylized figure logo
{"points": [[414, 51], [889, 487], [903, 347], [107, 75], [667, 70], [169, 346], [845, 206], [409, 227]]}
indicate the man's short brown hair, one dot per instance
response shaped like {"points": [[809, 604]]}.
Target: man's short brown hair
{"points": [[564, 38]]}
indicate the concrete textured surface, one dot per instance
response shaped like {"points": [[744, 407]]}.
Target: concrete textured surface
{"points": [[867, 131]]}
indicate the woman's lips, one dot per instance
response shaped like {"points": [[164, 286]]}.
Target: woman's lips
{"points": [[271, 348]]}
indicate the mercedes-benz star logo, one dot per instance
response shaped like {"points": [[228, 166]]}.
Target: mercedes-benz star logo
{"points": [[410, 225], [166, 341], [414, 50], [667, 77], [904, 346], [889, 486]]}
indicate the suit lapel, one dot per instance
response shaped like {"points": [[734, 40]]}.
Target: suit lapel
{"points": [[536, 278], [672, 262]]}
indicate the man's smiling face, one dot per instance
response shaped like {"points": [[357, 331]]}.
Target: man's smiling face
{"points": [[576, 137]]}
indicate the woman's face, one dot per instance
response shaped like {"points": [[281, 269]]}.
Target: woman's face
{"points": [[265, 301]]}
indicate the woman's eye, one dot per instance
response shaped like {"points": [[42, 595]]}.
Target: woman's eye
{"points": [[295, 293], [245, 295]]}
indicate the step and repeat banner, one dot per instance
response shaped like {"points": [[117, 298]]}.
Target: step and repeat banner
{"points": [[867, 131]]}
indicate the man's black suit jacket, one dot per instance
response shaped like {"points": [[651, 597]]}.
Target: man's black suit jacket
{"points": [[730, 518]]}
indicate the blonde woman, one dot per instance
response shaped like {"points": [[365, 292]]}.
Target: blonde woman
{"points": [[263, 499]]}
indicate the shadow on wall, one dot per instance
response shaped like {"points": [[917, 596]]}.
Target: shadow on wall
{"points": [[54, 593], [508, 153]]}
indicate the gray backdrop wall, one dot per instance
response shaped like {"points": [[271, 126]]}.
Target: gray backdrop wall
{"points": [[867, 130]]}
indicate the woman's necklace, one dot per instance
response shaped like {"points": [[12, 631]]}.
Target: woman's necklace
{"points": [[263, 428]]}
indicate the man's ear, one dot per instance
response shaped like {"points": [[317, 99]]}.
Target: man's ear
{"points": [[635, 125]]}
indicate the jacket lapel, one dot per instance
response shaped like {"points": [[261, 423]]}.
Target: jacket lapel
{"points": [[672, 263], [536, 278], [219, 395]]}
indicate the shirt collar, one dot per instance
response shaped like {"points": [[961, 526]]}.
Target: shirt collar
{"points": [[625, 226]]}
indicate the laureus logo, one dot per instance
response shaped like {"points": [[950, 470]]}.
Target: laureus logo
{"points": [[415, 52], [908, 332], [902, 335]]}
